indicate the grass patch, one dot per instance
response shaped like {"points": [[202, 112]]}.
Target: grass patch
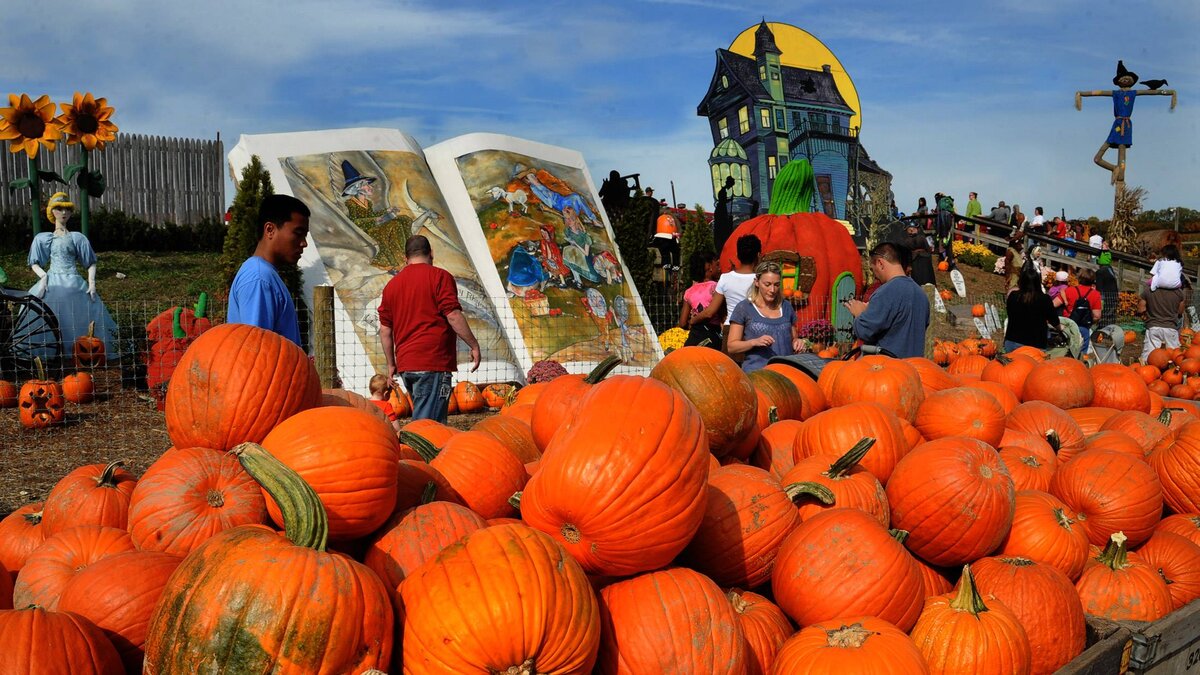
{"points": [[149, 277]]}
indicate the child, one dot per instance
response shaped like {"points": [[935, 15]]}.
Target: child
{"points": [[1167, 271], [1060, 283], [704, 269], [381, 389]]}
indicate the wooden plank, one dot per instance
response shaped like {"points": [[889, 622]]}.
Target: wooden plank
{"points": [[1169, 645], [324, 337], [1109, 644]]}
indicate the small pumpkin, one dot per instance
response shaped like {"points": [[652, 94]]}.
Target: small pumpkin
{"points": [[48, 569], [468, 398], [849, 645], [849, 484], [79, 388], [89, 349], [41, 401], [401, 403], [97, 494], [21, 534], [66, 643], [416, 535], [943, 266], [837, 429], [764, 626], [1048, 531], [1063, 382], [1010, 370], [987, 639], [978, 311], [496, 395], [8, 394]]}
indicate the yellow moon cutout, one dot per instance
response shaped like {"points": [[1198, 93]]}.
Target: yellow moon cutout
{"points": [[802, 50]]}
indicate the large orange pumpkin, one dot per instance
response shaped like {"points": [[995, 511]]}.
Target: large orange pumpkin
{"points": [[1121, 586], [66, 643], [811, 397], [842, 562], [97, 494], [838, 429], [416, 535], [1119, 387], [560, 397], [118, 594], [348, 456], [774, 452], [746, 517], [861, 644], [1063, 382], [889, 382], [1044, 600], [1112, 492], [721, 392], [960, 633], [532, 609], [60, 558], [849, 484], [187, 496], [1054, 424], [234, 384], [1029, 469], [1143, 428], [1177, 560], [938, 482], [254, 600], [1046, 530], [483, 472], [964, 411], [780, 393], [790, 227], [602, 489], [933, 377], [1010, 370], [513, 434], [764, 626], [1176, 461], [689, 627]]}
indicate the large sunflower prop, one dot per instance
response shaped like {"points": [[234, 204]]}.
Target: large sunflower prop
{"points": [[86, 120], [28, 125]]}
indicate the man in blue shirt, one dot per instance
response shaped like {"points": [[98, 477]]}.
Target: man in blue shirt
{"points": [[898, 314], [258, 296]]}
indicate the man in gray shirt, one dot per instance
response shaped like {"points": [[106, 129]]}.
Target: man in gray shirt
{"points": [[1001, 214], [896, 318]]}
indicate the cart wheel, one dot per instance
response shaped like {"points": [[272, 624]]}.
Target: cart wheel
{"points": [[28, 330]]}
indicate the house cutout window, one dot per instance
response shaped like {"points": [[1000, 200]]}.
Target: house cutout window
{"points": [[764, 118], [724, 81], [743, 120], [780, 120], [772, 167], [774, 73], [762, 72], [723, 128]]}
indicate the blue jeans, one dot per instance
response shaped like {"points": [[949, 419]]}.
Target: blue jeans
{"points": [[430, 391]]}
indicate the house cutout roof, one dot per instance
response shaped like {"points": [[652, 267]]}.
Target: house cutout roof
{"points": [[799, 84]]}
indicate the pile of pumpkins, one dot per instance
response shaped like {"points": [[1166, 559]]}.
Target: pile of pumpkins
{"points": [[465, 398], [41, 402], [1173, 372], [889, 516]]}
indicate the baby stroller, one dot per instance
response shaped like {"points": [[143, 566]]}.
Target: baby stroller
{"points": [[812, 365], [1107, 343], [1066, 341]]}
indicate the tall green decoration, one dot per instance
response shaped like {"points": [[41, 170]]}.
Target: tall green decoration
{"points": [[794, 189]]}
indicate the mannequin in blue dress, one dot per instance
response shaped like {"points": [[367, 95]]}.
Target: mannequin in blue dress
{"points": [[1121, 134], [53, 258]]}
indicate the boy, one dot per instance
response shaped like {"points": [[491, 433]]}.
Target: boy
{"points": [[381, 391]]}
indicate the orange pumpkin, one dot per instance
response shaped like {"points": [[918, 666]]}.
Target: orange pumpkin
{"points": [[1120, 586], [945, 292], [936, 483], [987, 639], [97, 494], [978, 310], [1010, 370], [964, 411], [780, 393], [21, 534], [774, 452], [1184, 524], [1112, 492], [1160, 358], [764, 626], [1142, 428], [623, 519], [1051, 423], [1030, 469], [496, 395], [1174, 460], [401, 403], [837, 429], [468, 397], [66, 643], [1048, 531], [89, 349], [48, 569], [1063, 382], [849, 485], [8, 394], [1177, 560], [1118, 387], [413, 536], [933, 378], [968, 364], [811, 398], [512, 434], [484, 472], [40, 401], [943, 266], [79, 388], [1130, 337], [889, 382], [719, 390], [862, 644]]}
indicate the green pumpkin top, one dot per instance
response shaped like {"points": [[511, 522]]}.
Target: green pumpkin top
{"points": [[794, 189]]}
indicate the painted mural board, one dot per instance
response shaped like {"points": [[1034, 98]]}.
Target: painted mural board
{"points": [[370, 189]]}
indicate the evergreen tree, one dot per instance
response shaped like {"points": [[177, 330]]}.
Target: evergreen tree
{"points": [[697, 237], [632, 232], [242, 235]]}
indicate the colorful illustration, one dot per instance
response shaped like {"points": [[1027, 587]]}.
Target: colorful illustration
{"points": [[556, 259], [365, 206]]}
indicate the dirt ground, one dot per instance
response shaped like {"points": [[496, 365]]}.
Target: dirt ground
{"points": [[121, 424]]}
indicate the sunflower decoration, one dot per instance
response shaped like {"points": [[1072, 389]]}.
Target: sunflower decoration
{"points": [[27, 124], [87, 120]]}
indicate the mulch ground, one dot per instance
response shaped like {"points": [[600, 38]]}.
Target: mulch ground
{"points": [[121, 424]]}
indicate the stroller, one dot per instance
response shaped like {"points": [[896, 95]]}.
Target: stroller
{"points": [[812, 365], [1107, 343]]}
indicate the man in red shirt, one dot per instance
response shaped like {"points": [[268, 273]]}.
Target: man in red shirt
{"points": [[419, 318]]}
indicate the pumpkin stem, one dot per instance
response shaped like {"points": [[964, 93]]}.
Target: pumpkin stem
{"points": [[899, 535], [91, 329], [526, 668], [739, 603], [1114, 555], [34, 518], [200, 309], [1031, 461], [177, 331], [41, 370], [1164, 417], [420, 444], [848, 637], [304, 520], [1017, 561], [848, 461], [772, 415], [793, 190], [515, 501], [1053, 439], [810, 489], [968, 598], [429, 494], [1063, 520], [1003, 359], [602, 369], [106, 476], [215, 499]]}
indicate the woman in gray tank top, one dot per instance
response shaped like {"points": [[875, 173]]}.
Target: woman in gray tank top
{"points": [[763, 326]]}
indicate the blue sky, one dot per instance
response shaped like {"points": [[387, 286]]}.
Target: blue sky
{"points": [[956, 96]]}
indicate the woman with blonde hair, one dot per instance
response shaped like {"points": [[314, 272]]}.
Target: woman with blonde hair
{"points": [[763, 326]]}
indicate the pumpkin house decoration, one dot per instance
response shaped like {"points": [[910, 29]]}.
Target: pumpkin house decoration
{"points": [[792, 226]]}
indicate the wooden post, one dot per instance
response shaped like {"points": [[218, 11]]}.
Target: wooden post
{"points": [[324, 344]]}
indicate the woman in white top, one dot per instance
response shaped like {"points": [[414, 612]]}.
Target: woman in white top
{"points": [[733, 286]]}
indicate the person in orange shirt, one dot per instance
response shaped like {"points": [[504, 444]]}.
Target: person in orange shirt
{"points": [[666, 240]]}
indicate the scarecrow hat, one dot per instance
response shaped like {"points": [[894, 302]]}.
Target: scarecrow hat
{"points": [[1122, 72], [58, 200], [352, 176]]}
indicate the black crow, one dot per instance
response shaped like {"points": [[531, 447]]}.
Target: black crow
{"points": [[1154, 85]]}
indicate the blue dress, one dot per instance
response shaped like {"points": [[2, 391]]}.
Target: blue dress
{"points": [[1122, 128], [65, 291]]}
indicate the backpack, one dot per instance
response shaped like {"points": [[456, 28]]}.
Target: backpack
{"points": [[1081, 311]]}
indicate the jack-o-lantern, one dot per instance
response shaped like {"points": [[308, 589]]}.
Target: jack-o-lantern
{"points": [[89, 349], [40, 401], [791, 227]]}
